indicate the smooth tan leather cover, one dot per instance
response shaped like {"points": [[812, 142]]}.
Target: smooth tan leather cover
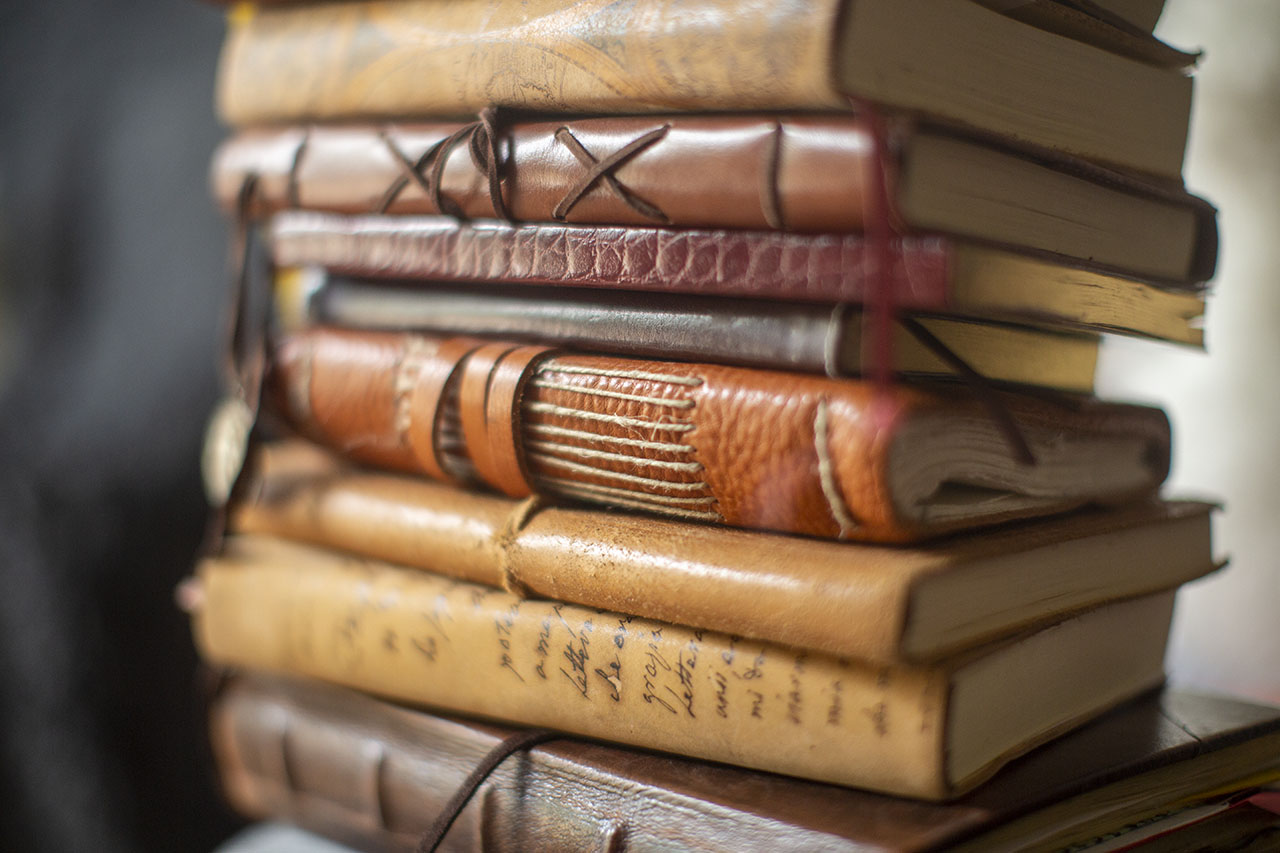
{"points": [[425, 639], [751, 448], [846, 599], [421, 57], [375, 775]]}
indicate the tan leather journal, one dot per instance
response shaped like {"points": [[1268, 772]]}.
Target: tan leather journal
{"points": [[949, 59], [864, 602], [924, 731]]}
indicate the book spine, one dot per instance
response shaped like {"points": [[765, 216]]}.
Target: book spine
{"points": [[751, 264], [854, 597], [804, 337], [761, 449], [423, 57], [746, 171], [423, 639], [375, 775]]}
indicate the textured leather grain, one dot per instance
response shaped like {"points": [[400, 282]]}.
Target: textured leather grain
{"points": [[752, 264], [850, 600], [375, 775], [752, 448]]}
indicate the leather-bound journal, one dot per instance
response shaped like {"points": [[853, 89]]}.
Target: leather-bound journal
{"points": [[868, 603], [936, 274], [764, 449], [783, 336], [759, 172], [929, 731], [375, 775], [949, 59]]}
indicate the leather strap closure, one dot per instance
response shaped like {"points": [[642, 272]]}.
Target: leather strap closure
{"points": [[493, 380], [426, 404]]}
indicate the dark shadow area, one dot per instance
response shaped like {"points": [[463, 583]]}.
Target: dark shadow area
{"points": [[112, 275]]}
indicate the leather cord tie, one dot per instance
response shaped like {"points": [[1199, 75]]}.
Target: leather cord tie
{"points": [[979, 385], [291, 188], [507, 537], [509, 746], [233, 429], [481, 137], [493, 380], [601, 171], [882, 232], [426, 405], [770, 204]]}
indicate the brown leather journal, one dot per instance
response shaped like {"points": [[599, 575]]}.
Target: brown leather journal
{"points": [[753, 448], [862, 602], [375, 775], [924, 273], [784, 172]]}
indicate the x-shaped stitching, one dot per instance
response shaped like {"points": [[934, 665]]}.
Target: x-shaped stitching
{"points": [[482, 141], [601, 171]]}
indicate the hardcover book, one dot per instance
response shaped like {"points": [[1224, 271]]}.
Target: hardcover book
{"points": [[869, 603], [925, 731], [375, 775]]}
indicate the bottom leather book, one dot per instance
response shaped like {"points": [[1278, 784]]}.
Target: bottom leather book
{"points": [[375, 775]]}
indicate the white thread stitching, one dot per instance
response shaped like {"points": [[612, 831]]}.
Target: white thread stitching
{"points": [[548, 429], [595, 488], [640, 504], [639, 423], [553, 367], [826, 474], [588, 453], [617, 395], [556, 462], [406, 376]]}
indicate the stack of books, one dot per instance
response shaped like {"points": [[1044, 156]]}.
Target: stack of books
{"points": [[722, 389]]}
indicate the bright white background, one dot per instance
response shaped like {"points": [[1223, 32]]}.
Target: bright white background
{"points": [[1225, 406]]}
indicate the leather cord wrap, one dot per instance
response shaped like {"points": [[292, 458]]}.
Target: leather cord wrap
{"points": [[505, 748], [426, 404], [493, 380]]}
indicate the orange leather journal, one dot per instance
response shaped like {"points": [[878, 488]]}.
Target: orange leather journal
{"points": [[752, 448]]}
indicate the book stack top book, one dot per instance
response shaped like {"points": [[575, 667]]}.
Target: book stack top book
{"points": [[707, 378]]}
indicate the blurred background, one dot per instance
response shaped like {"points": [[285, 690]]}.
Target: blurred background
{"points": [[112, 280]]}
